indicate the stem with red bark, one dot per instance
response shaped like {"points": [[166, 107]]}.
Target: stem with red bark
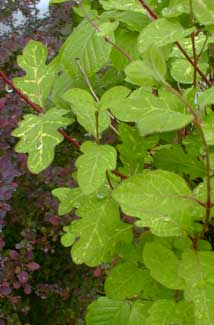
{"points": [[36, 108], [154, 16]]}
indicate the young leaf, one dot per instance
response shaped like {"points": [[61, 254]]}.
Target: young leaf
{"points": [[85, 108], [157, 198], [98, 230], [39, 77], [39, 136], [196, 269], [163, 264], [161, 32], [93, 164], [112, 312], [88, 46], [125, 280]]}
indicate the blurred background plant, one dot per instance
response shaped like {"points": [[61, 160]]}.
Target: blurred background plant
{"points": [[38, 282]]}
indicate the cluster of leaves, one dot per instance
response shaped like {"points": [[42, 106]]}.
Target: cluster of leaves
{"points": [[31, 258], [143, 70]]}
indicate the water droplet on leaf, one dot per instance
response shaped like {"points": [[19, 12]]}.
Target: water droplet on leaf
{"points": [[39, 146], [8, 89]]}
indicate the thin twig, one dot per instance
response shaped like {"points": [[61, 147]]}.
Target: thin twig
{"points": [[106, 38], [154, 16], [119, 174], [203, 47], [35, 107], [77, 61], [109, 180], [195, 60]]}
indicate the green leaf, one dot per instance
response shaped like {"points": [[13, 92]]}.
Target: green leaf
{"points": [[113, 96], [134, 147], [186, 43], [57, 1], [200, 194], [156, 197], [85, 108], [153, 290], [125, 280], [115, 312], [39, 77], [108, 28], [134, 21], [138, 73], [197, 270], [62, 84], [98, 231], [88, 46], [208, 128], [155, 61], [206, 98], [129, 5], [173, 158], [176, 8], [152, 114], [39, 136], [183, 72], [67, 239], [167, 312], [127, 41], [69, 198], [163, 264], [93, 164], [203, 11], [161, 32]]}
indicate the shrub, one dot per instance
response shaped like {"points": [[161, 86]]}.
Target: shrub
{"points": [[137, 77]]}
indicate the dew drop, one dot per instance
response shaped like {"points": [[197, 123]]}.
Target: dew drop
{"points": [[100, 195], [39, 146], [8, 89]]}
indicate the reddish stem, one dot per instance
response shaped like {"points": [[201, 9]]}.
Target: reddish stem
{"points": [[36, 108], [20, 94], [154, 16], [115, 172], [69, 138]]}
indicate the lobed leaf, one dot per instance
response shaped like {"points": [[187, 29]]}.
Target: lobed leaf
{"points": [[93, 164], [39, 77], [157, 198], [39, 136], [98, 231]]}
